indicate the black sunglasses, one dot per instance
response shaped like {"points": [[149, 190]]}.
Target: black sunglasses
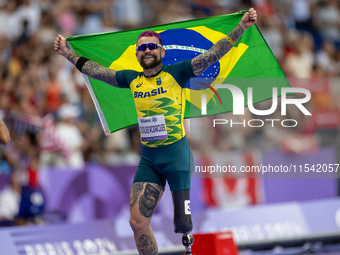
{"points": [[151, 46]]}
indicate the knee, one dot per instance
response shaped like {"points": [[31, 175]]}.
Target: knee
{"points": [[138, 224]]}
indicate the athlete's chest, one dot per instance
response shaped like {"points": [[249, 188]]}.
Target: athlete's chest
{"points": [[160, 85]]}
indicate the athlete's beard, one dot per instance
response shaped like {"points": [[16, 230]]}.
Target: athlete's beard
{"points": [[151, 64]]}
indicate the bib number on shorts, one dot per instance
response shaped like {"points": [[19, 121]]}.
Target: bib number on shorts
{"points": [[152, 128]]}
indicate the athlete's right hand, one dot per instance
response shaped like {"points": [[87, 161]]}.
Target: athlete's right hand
{"points": [[60, 45]]}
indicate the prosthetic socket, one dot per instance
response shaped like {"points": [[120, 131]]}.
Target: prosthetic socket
{"points": [[182, 214]]}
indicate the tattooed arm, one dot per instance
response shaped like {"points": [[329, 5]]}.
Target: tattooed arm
{"points": [[4, 133], [90, 68], [200, 63]]}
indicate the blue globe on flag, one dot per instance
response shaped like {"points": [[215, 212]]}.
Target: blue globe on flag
{"points": [[183, 44]]}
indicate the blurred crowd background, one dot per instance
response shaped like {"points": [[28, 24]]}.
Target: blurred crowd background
{"points": [[52, 120]]}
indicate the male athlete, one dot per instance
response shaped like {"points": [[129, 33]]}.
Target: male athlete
{"points": [[159, 99]]}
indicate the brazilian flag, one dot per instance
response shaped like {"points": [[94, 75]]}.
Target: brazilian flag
{"points": [[250, 58]]}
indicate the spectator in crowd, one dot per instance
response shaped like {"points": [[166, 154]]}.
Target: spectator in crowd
{"points": [[10, 198], [299, 62], [70, 135], [325, 57], [328, 20]]}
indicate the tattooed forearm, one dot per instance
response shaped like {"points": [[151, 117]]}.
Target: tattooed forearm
{"points": [[135, 193], [146, 246], [236, 33], [4, 133], [98, 72], [216, 52], [72, 57], [94, 70]]}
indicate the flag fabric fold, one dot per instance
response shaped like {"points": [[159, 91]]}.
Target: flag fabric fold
{"points": [[250, 58]]}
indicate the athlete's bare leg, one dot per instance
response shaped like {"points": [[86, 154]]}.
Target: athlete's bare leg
{"points": [[144, 198]]}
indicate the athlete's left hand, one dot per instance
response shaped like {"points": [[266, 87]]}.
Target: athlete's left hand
{"points": [[248, 19]]}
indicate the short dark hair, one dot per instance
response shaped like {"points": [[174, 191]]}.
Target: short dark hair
{"points": [[150, 33]]}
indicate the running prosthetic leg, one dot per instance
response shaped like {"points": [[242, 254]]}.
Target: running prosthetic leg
{"points": [[187, 241], [182, 217]]}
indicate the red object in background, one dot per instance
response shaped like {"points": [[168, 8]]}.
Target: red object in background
{"points": [[53, 97], [326, 119], [266, 8], [312, 85], [214, 244], [33, 177], [299, 143], [237, 190]]}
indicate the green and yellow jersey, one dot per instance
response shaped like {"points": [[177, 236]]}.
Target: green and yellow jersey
{"points": [[159, 101]]}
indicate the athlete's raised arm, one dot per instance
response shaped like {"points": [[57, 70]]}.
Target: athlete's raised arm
{"points": [[218, 50], [89, 68], [4, 133]]}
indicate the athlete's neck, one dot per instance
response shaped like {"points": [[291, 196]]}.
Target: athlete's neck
{"points": [[153, 71]]}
